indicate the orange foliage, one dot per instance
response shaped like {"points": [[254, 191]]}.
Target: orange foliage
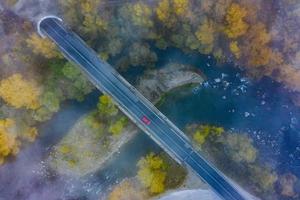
{"points": [[8, 143], [19, 92], [235, 26]]}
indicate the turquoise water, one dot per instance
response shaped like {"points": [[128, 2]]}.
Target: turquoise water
{"points": [[262, 109]]}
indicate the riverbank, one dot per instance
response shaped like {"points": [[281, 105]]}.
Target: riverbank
{"points": [[80, 152]]}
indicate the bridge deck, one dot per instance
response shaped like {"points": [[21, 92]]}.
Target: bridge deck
{"points": [[135, 106]]}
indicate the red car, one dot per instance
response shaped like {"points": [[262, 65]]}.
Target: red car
{"points": [[146, 120]]}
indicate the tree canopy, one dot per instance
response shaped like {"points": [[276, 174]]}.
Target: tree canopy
{"points": [[235, 25], [19, 92], [106, 106], [152, 173], [43, 47], [9, 145]]}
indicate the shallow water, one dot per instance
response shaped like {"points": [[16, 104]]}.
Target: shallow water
{"points": [[262, 109]]}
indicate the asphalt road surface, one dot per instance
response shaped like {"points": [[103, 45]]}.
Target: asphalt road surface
{"points": [[136, 107]]}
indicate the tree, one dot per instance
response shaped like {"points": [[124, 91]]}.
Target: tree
{"points": [[164, 13], [263, 177], [106, 106], [140, 54], [202, 132], [141, 14], [30, 134], [235, 26], [42, 47], [181, 7], [239, 148], [256, 48], [85, 13], [206, 35], [19, 92], [117, 127], [235, 50], [9, 145], [152, 173]]}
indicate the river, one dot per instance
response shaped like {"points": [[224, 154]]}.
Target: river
{"points": [[262, 109]]}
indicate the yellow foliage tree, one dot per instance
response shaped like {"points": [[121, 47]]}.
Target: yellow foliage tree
{"points": [[19, 92], [9, 145], [204, 131], [181, 7], [256, 48], [141, 14], [93, 23], [206, 35], [42, 46], [30, 134], [152, 173], [235, 50], [164, 13], [84, 15], [235, 26]]}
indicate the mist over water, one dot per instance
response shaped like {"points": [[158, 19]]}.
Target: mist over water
{"points": [[33, 10]]}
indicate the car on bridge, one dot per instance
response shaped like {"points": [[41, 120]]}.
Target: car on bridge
{"points": [[145, 120]]}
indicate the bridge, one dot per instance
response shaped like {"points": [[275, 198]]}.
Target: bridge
{"points": [[142, 112]]}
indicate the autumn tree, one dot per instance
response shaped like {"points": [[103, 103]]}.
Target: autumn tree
{"points": [[169, 11], [18, 92], [43, 47], [141, 14], [164, 13], [202, 132], [235, 25], [85, 16], [240, 148], [263, 177], [206, 35], [256, 49], [152, 173], [117, 127], [181, 7], [106, 106], [235, 49], [9, 145]]}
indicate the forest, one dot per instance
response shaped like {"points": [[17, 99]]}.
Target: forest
{"points": [[259, 37]]}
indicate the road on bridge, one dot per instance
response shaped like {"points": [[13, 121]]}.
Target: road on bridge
{"points": [[135, 106]]}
